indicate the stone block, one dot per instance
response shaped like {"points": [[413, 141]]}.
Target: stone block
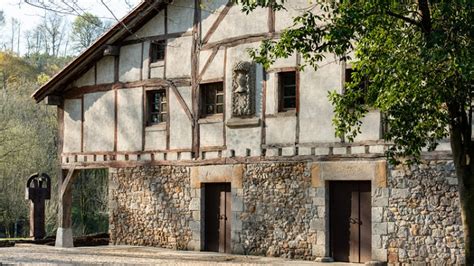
{"points": [[304, 151], [379, 228], [379, 254], [380, 177], [196, 215], [171, 156], [271, 152], [376, 241], [321, 151], [317, 224], [195, 204], [195, 226], [357, 149], [145, 157], [212, 155], [321, 238], [377, 214], [133, 157], [339, 151], [187, 156], [194, 245], [319, 201], [390, 227], [159, 156], [377, 149], [237, 203], [400, 193], [288, 151], [237, 248], [64, 238], [319, 251], [316, 176]]}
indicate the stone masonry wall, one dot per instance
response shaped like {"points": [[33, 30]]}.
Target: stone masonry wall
{"points": [[278, 211], [424, 220], [149, 206]]}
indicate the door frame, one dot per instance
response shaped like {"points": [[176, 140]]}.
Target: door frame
{"points": [[374, 170]]}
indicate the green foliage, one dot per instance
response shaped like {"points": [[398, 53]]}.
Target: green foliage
{"points": [[419, 61], [85, 30]]}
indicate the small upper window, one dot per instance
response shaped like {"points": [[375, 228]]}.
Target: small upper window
{"points": [[157, 107], [157, 51], [362, 87], [287, 91], [212, 98]]}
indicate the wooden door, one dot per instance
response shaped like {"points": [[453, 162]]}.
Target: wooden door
{"points": [[217, 216], [350, 221]]}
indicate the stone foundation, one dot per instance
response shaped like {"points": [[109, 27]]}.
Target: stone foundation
{"points": [[281, 209]]}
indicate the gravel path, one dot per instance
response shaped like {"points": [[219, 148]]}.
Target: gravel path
{"points": [[26, 254]]}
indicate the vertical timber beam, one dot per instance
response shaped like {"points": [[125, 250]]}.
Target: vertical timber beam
{"points": [[64, 234], [195, 74]]}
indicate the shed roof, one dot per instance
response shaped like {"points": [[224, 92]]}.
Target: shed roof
{"points": [[122, 29]]}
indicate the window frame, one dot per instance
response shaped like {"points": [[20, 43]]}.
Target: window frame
{"points": [[149, 95], [363, 86], [202, 99], [154, 48], [282, 97]]}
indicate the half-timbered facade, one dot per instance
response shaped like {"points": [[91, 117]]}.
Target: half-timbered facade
{"points": [[206, 150]]}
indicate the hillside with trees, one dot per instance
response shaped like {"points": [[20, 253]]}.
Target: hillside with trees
{"points": [[28, 140]]}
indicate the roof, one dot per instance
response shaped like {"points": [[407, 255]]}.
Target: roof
{"points": [[122, 29]]}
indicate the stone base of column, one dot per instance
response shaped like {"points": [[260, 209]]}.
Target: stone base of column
{"points": [[324, 259], [64, 238]]}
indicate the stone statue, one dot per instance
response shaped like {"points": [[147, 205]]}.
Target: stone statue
{"points": [[243, 89]]}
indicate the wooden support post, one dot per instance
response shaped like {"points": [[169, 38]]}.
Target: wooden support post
{"points": [[64, 233]]}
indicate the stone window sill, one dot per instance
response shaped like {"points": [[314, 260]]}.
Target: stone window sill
{"points": [[236, 122], [157, 64], [291, 113], [211, 119], [157, 127]]}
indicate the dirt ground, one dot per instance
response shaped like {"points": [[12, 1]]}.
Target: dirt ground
{"points": [[27, 254]]}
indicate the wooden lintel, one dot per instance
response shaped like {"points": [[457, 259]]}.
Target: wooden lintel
{"points": [[282, 69]]}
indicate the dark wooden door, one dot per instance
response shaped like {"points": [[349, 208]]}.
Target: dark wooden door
{"points": [[350, 220], [217, 217]]}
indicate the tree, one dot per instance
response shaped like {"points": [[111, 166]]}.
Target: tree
{"points": [[418, 60], [85, 30]]}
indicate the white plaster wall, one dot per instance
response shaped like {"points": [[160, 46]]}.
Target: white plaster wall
{"points": [[157, 72], [316, 112], [215, 68], [211, 134], [370, 129], [72, 125], [130, 62], [280, 130], [129, 119], [156, 26], [105, 70], [86, 79], [99, 121], [186, 94], [236, 23], [146, 60], [155, 139], [180, 16], [284, 18], [210, 12], [180, 125], [178, 57]]}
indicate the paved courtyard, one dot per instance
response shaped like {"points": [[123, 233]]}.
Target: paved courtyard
{"points": [[26, 254]]}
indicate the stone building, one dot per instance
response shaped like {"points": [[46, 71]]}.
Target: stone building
{"points": [[206, 150]]}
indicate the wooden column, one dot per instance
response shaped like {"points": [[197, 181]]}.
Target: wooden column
{"points": [[64, 233]]}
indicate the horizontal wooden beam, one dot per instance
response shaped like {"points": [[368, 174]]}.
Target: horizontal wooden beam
{"points": [[234, 41]]}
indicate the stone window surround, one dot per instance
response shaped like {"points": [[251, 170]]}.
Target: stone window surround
{"points": [[374, 171]]}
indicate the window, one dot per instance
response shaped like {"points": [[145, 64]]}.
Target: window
{"points": [[361, 88], [157, 51], [212, 98], [157, 107], [287, 91]]}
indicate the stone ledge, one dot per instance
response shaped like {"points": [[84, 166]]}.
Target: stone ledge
{"points": [[236, 122]]}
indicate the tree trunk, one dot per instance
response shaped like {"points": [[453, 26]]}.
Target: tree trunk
{"points": [[462, 154]]}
